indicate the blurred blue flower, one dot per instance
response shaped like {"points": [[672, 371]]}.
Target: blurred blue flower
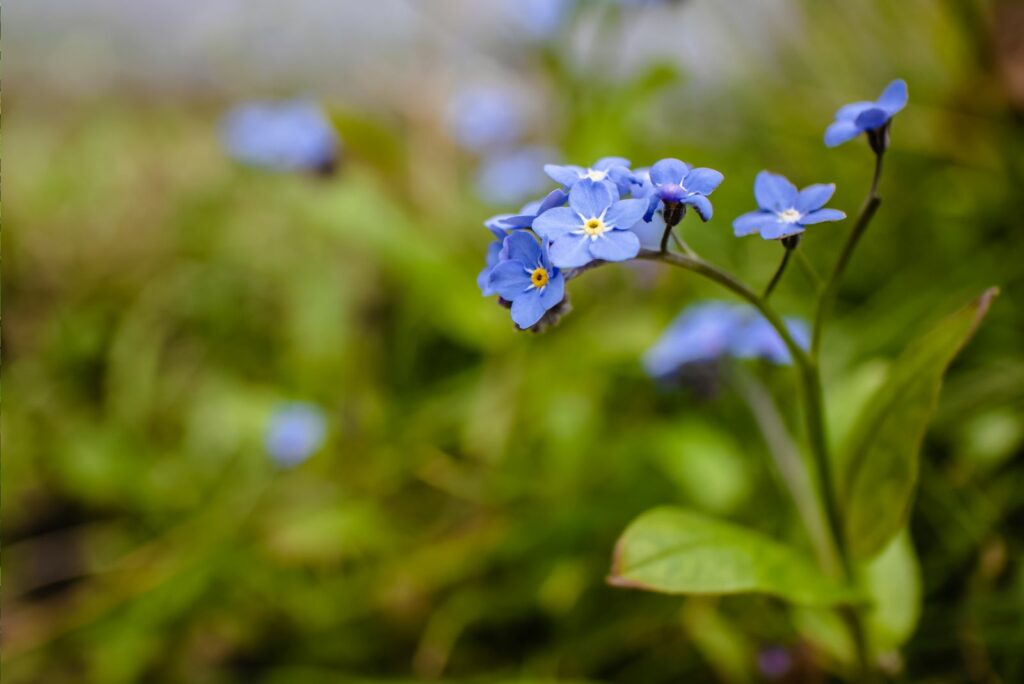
{"points": [[293, 135], [538, 19], [784, 211], [526, 277], [860, 117], [296, 430], [613, 170], [595, 225], [513, 175], [774, 662], [709, 331], [675, 181], [483, 117]]}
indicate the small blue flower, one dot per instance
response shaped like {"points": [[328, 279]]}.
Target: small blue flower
{"points": [[709, 331], [526, 277], [860, 117], [613, 170], [530, 211], [595, 225], [295, 431], [539, 19], [783, 210], [675, 181], [501, 224], [283, 136], [512, 176], [482, 117]]}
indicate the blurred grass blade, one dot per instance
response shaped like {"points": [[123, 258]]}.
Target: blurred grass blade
{"points": [[880, 461], [675, 551]]}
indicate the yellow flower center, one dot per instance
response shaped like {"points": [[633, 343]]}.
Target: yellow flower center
{"points": [[594, 227], [539, 277]]}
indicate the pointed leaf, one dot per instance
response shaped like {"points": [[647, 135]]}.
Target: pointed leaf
{"points": [[880, 462], [675, 551]]}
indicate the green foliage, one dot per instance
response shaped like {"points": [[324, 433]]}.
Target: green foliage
{"points": [[675, 551], [880, 467]]}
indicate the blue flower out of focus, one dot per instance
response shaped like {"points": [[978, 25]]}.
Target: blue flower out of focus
{"points": [[296, 430], [539, 19], [709, 331], [867, 117], [513, 175], [784, 211], [613, 170], [293, 135], [484, 117], [595, 225], [675, 181], [526, 277]]}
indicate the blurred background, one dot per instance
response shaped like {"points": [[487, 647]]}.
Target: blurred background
{"points": [[264, 428]]}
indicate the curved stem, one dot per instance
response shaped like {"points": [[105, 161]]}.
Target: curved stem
{"points": [[828, 295], [778, 274]]}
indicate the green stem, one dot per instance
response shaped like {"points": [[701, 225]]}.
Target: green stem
{"points": [[828, 296], [778, 274]]}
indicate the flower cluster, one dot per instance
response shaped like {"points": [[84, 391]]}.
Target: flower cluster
{"points": [[611, 212]]}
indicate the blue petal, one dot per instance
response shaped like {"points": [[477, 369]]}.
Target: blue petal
{"points": [[566, 175], [522, 247], [821, 216], [774, 192], [669, 170], [509, 280], [814, 197], [652, 206], [753, 222], [894, 97], [590, 198], [570, 251], [616, 245], [556, 222], [555, 198], [607, 163], [554, 292], [650, 232], [703, 180], [872, 118], [852, 111], [527, 309], [779, 230], [702, 204], [499, 224], [840, 132], [624, 213]]}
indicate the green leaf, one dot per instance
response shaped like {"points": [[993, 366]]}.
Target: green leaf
{"points": [[675, 551], [892, 581], [880, 462]]}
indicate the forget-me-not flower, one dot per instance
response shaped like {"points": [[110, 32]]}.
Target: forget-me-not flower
{"points": [[526, 277], [784, 211], [709, 331], [595, 225], [293, 135], [295, 431], [613, 170], [482, 117], [676, 182], [870, 117]]}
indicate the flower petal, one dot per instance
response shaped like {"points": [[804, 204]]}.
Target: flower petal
{"points": [[527, 309], [669, 170], [821, 216], [555, 198], [607, 163], [590, 198], [814, 197], [774, 192], [522, 247], [840, 132], [570, 251], [509, 280], [556, 222], [872, 118], [554, 292], [894, 97], [616, 245], [566, 175], [624, 213], [702, 204], [780, 230], [650, 232], [703, 180], [852, 111], [753, 222]]}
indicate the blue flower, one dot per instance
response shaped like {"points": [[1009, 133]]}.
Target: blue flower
{"points": [[501, 224], [484, 117], [526, 277], [283, 136], [784, 211], [859, 117], [511, 176], [676, 182], [709, 331], [295, 431], [540, 19], [595, 225], [613, 170], [531, 210]]}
